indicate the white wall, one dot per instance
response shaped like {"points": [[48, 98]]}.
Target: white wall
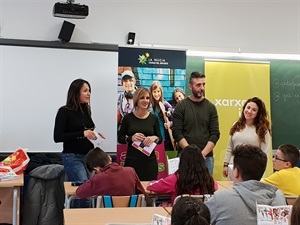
{"points": [[264, 26]]}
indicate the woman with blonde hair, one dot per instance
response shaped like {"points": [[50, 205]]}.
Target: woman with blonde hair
{"points": [[141, 125]]}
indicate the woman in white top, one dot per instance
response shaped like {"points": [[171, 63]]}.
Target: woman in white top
{"points": [[253, 127]]}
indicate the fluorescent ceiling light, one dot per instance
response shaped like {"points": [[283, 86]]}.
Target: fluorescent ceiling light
{"points": [[256, 56]]}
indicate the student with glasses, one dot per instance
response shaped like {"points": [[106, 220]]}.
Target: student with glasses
{"points": [[287, 175]]}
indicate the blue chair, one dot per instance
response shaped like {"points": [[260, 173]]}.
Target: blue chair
{"points": [[107, 201]]}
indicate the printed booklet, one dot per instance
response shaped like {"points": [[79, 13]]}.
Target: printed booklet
{"points": [[273, 215], [144, 149]]}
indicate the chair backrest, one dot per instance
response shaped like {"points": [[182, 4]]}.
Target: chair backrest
{"points": [[290, 200], [107, 201], [202, 198]]}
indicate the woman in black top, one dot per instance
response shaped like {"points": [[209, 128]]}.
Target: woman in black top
{"points": [[141, 125], [74, 126]]}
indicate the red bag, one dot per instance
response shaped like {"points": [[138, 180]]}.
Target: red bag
{"points": [[18, 161]]}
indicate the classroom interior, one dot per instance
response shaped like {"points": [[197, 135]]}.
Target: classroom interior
{"points": [[229, 30]]}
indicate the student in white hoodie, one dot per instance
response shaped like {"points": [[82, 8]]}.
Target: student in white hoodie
{"points": [[238, 205]]}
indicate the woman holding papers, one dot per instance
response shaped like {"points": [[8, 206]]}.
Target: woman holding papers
{"points": [[192, 177], [74, 127], [141, 129]]}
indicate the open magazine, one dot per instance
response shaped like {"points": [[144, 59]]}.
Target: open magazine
{"points": [[273, 215]]}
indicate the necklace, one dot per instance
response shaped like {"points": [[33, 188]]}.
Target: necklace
{"points": [[141, 115]]}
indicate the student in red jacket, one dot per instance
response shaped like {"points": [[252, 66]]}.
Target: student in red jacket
{"points": [[109, 178], [192, 176]]}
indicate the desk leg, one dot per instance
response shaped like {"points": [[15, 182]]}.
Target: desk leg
{"points": [[15, 206], [68, 200]]}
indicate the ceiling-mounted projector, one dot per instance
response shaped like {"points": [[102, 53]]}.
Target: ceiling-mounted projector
{"points": [[70, 10]]}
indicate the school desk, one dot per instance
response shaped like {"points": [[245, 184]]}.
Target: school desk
{"points": [[103, 216], [15, 185], [225, 184], [222, 185], [70, 191]]}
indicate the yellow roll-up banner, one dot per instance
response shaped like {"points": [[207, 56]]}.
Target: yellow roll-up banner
{"points": [[228, 85]]}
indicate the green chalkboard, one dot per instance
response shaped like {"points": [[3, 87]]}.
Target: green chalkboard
{"points": [[285, 102], [193, 63]]}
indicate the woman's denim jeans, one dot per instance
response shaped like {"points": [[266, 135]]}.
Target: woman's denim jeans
{"points": [[75, 167], [76, 171]]}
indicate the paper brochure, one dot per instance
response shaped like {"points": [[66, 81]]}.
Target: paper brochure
{"points": [[147, 150], [273, 215], [173, 165], [98, 141]]}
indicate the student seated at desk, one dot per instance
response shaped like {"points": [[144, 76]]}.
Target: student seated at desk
{"points": [[238, 204], [192, 176], [109, 178], [287, 175], [190, 211]]}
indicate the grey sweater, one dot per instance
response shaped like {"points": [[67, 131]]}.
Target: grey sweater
{"points": [[237, 206]]}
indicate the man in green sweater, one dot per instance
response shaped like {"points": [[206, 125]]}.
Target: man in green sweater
{"points": [[195, 120]]}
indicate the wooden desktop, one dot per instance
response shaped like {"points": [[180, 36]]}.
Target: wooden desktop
{"points": [[103, 216]]}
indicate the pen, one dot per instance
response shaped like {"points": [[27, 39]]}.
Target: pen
{"points": [[167, 210]]}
